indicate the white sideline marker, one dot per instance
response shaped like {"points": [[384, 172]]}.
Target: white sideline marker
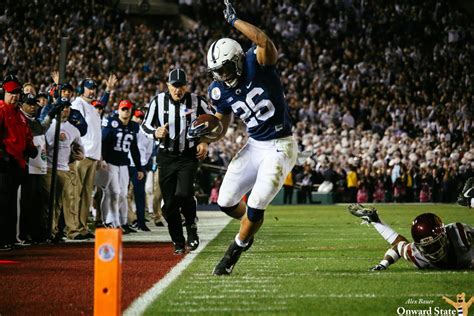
{"points": [[218, 222]]}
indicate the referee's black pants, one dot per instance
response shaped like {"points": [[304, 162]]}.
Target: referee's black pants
{"points": [[177, 176]]}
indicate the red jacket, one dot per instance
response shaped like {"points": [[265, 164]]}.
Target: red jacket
{"points": [[15, 134]]}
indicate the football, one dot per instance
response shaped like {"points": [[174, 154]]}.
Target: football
{"points": [[205, 125]]}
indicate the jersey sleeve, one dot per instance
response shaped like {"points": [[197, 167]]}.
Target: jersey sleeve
{"points": [[410, 253]]}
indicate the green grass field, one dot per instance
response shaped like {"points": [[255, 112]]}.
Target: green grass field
{"points": [[314, 260]]}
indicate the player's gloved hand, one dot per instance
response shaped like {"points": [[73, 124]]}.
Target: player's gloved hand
{"points": [[378, 267], [229, 13]]}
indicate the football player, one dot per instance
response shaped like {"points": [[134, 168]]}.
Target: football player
{"points": [[435, 245], [119, 137], [247, 85]]}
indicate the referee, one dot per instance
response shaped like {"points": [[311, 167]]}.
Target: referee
{"points": [[169, 116]]}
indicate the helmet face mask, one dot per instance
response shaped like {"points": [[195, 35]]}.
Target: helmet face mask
{"points": [[433, 249], [225, 61], [430, 236]]}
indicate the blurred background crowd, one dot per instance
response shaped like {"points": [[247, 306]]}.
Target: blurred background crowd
{"points": [[381, 93]]}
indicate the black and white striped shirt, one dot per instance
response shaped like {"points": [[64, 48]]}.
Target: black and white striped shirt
{"points": [[162, 109]]}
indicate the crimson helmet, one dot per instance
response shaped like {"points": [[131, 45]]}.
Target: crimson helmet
{"points": [[429, 235]]}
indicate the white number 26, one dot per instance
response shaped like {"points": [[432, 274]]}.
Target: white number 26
{"points": [[252, 113]]}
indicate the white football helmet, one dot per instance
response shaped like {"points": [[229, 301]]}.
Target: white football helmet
{"points": [[225, 59]]}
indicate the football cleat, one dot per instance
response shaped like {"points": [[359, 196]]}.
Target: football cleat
{"points": [[467, 193], [193, 239], [367, 214], [227, 263]]}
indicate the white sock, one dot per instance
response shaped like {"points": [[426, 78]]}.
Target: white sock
{"points": [[239, 242], [386, 231], [472, 203]]}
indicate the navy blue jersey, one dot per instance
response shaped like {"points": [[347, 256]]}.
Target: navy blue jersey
{"points": [[258, 100], [118, 140]]}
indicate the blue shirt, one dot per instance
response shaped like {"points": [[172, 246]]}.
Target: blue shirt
{"points": [[258, 99], [118, 140]]}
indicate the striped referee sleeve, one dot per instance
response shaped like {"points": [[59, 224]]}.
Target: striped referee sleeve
{"points": [[151, 121]]}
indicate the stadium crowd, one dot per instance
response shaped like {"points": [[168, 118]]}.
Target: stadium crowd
{"points": [[380, 94]]}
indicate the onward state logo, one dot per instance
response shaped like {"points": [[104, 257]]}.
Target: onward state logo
{"points": [[461, 307]]}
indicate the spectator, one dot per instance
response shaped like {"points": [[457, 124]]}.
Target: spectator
{"points": [[306, 181], [215, 190], [16, 143], [145, 146], [86, 168], [34, 224], [70, 147], [288, 186], [352, 183]]}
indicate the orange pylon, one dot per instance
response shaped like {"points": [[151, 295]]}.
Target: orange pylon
{"points": [[107, 271]]}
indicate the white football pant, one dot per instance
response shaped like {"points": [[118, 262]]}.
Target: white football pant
{"points": [[114, 204], [260, 166]]}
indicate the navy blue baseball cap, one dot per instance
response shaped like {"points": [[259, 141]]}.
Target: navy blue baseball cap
{"points": [[90, 84], [67, 86]]}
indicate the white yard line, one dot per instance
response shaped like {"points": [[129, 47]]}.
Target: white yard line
{"points": [[209, 226]]}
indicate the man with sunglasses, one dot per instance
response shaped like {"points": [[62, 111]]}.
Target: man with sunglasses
{"points": [[168, 119], [119, 137]]}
